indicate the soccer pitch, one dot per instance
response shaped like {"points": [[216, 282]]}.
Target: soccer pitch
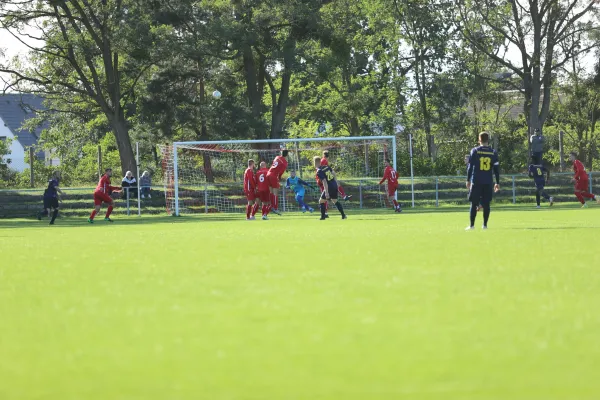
{"points": [[380, 306]]}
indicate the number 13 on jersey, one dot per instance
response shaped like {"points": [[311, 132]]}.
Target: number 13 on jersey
{"points": [[485, 163]]}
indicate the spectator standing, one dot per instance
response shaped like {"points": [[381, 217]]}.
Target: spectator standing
{"points": [[537, 147], [145, 184]]}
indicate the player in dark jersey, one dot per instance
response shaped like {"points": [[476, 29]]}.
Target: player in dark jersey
{"points": [[483, 167], [541, 176], [51, 193], [330, 187]]}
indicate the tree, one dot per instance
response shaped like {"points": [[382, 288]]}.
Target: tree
{"points": [[546, 34], [78, 58]]}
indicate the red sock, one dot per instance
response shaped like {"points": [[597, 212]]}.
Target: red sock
{"points": [[110, 208], [341, 190], [587, 195], [326, 206], [254, 209], [395, 203], [93, 214], [264, 210], [275, 202], [268, 209], [580, 198], [248, 210]]}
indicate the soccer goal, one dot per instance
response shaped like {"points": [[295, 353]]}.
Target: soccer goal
{"points": [[207, 177]]}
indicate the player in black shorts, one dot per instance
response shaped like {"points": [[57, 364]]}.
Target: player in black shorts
{"points": [[330, 187], [541, 176], [483, 167], [51, 197]]}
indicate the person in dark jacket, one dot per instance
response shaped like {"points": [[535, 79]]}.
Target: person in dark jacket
{"points": [[145, 184], [129, 182]]}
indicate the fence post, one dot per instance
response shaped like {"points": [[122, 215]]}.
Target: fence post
{"points": [[591, 178], [514, 187], [437, 196], [99, 160], [561, 151], [127, 191], [283, 197], [360, 195], [206, 198], [31, 178]]}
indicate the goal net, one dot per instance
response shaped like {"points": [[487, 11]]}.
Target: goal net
{"points": [[207, 177]]}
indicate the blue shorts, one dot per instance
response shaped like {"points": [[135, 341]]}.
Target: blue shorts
{"points": [[481, 193]]}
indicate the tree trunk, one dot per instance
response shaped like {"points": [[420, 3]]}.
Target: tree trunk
{"points": [[208, 170], [420, 82], [252, 90], [121, 132], [280, 110]]}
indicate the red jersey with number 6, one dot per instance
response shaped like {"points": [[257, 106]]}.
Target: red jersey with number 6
{"points": [[580, 174], [278, 167], [390, 175], [261, 180], [249, 181]]}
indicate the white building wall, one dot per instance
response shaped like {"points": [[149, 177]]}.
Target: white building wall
{"points": [[17, 152]]}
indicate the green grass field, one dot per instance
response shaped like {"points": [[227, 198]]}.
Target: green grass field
{"points": [[380, 306]]}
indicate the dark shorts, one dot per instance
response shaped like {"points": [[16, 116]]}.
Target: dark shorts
{"points": [[481, 193], [539, 185], [333, 192], [50, 202]]}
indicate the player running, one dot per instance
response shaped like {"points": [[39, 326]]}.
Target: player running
{"points": [[262, 189], [250, 191], [581, 180], [51, 198], [325, 161], [277, 169], [391, 176], [297, 185], [330, 187], [541, 176], [102, 195], [483, 166]]}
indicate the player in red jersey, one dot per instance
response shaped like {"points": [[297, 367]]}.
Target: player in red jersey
{"points": [[102, 195], [262, 189], [250, 191], [325, 161], [391, 176], [277, 169], [581, 180]]}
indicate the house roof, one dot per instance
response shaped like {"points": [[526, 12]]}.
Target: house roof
{"points": [[15, 109]]}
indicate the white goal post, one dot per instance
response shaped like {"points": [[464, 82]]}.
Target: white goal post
{"points": [[207, 176]]}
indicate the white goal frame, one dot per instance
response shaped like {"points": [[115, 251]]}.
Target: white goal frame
{"points": [[176, 145]]}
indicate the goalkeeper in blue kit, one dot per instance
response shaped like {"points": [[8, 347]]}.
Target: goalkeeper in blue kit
{"points": [[297, 185]]}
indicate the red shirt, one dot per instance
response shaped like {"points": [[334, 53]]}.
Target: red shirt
{"points": [[319, 183], [580, 174], [278, 167], [261, 180], [324, 161], [391, 176], [249, 181], [104, 185]]}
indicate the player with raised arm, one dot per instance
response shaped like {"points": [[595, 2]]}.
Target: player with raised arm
{"points": [[325, 161], [102, 195], [51, 199], [391, 176], [541, 176], [330, 187], [581, 180], [277, 169], [262, 190], [297, 185], [250, 191], [483, 166]]}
